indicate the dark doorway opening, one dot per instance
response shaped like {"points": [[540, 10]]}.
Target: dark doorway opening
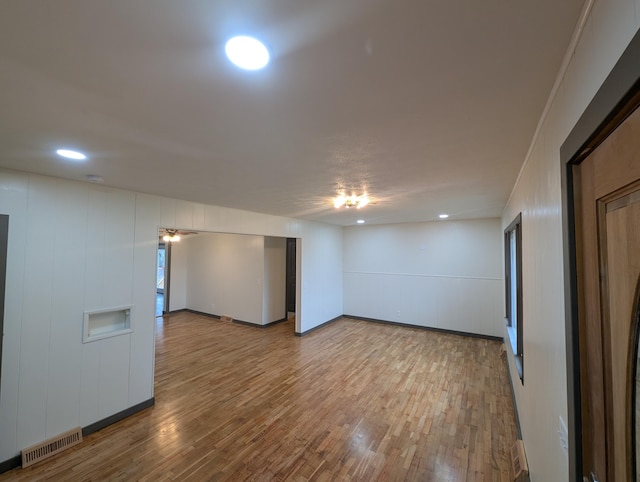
{"points": [[291, 275]]}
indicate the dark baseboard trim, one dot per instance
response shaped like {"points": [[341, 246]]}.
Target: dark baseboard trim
{"points": [[271, 323], [255, 325], [429, 328], [247, 323], [105, 422], [10, 464], [16, 461], [304, 333], [218, 317], [173, 312], [201, 313]]}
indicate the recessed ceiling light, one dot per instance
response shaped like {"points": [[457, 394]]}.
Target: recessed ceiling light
{"points": [[360, 221], [247, 52], [78, 156], [443, 216]]}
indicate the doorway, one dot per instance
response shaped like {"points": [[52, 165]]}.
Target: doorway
{"points": [[163, 278], [291, 277], [607, 210], [160, 278], [250, 278], [605, 182], [600, 181]]}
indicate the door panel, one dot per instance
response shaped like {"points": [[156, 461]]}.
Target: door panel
{"points": [[616, 159], [607, 189], [4, 237], [622, 225]]}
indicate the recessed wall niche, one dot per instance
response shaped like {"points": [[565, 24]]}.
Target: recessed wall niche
{"points": [[108, 322]]}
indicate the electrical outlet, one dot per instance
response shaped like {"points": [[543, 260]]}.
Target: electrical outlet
{"points": [[398, 312], [563, 434], [213, 306]]}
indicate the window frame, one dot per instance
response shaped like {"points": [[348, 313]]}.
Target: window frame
{"points": [[514, 327]]}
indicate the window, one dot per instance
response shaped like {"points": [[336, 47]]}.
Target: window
{"points": [[513, 288], [160, 269]]}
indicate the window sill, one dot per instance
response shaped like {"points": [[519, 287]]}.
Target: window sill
{"points": [[513, 341], [518, 360]]}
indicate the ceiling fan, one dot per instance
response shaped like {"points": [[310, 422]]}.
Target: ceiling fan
{"points": [[173, 235]]}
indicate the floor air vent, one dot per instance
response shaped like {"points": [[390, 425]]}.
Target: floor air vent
{"points": [[50, 447], [519, 462]]}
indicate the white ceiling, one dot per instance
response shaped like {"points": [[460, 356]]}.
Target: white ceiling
{"points": [[429, 105]]}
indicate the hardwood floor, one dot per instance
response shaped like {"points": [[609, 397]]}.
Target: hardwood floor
{"points": [[351, 401]]}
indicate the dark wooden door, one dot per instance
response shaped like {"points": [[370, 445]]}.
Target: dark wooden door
{"points": [[291, 275], [4, 236], [607, 187]]}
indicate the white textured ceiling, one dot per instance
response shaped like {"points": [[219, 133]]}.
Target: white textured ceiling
{"points": [[428, 105]]}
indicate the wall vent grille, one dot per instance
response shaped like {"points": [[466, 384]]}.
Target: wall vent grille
{"points": [[519, 462], [50, 447]]}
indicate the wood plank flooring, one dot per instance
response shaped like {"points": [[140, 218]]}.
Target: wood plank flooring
{"points": [[351, 401]]}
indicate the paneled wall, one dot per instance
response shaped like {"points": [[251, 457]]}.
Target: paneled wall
{"points": [[77, 246], [72, 248], [444, 274], [601, 38]]}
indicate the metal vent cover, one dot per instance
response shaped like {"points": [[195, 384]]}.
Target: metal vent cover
{"points": [[50, 447]]}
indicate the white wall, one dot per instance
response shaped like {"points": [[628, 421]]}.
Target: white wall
{"points": [[236, 275], [319, 253], [225, 275], [274, 295], [445, 274], [537, 194], [178, 276], [78, 246]]}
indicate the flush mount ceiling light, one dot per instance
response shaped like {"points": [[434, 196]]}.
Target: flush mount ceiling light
{"points": [[75, 155], [443, 216], [351, 201], [360, 221], [247, 52]]}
